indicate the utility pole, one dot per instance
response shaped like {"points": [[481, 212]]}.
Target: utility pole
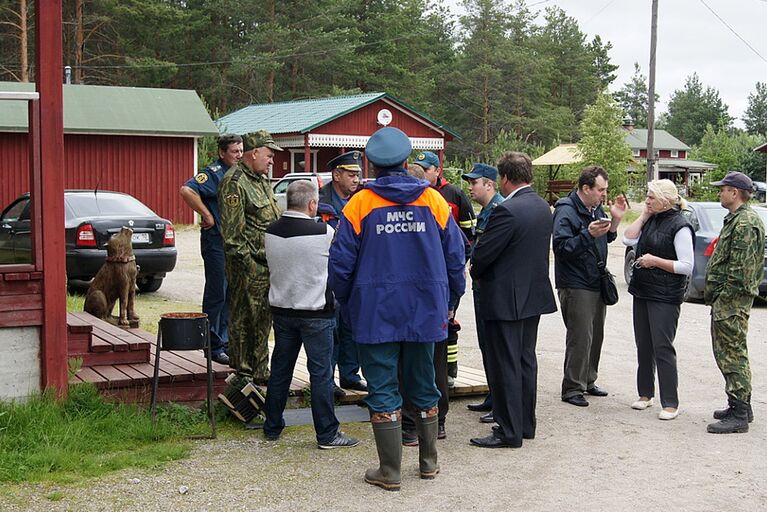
{"points": [[651, 95]]}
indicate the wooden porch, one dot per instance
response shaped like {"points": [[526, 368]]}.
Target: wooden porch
{"points": [[120, 362]]}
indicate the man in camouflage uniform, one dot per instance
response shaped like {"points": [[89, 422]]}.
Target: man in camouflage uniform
{"points": [[248, 206], [733, 275]]}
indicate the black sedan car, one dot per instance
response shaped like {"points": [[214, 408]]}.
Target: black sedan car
{"points": [[91, 218], [707, 220]]}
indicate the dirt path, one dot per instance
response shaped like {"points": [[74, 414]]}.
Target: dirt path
{"points": [[603, 457]]}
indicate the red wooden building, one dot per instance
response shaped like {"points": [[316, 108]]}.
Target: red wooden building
{"points": [[314, 131], [135, 140]]}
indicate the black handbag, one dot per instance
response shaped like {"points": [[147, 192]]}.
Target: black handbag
{"points": [[607, 285]]}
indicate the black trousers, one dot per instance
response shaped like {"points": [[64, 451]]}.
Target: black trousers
{"points": [[440, 378], [654, 331], [512, 373]]}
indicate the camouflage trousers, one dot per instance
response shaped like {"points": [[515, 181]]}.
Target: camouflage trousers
{"points": [[728, 338], [250, 320]]}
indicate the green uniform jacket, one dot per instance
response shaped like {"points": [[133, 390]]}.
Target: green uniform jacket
{"points": [[735, 270], [247, 206]]}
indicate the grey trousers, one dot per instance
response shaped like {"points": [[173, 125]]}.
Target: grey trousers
{"points": [[654, 331], [584, 315]]}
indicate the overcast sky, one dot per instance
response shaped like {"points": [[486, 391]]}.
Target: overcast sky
{"points": [[690, 39]]}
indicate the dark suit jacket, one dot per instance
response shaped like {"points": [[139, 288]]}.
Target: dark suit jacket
{"points": [[511, 260]]}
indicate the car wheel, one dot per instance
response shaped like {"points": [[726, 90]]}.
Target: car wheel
{"points": [[149, 284], [628, 265], [690, 295]]}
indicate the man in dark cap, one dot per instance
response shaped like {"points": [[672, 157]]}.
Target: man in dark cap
{"points": [[201, 194], [463, 213], [248, 207], [733, 276], [483, 187], [388, 225], [346, 170]]}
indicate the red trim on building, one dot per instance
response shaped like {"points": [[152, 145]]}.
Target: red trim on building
{"points": [[48, 72]]}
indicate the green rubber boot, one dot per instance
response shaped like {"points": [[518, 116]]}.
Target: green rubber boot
{"points": [[387, 430], [426, 423]]}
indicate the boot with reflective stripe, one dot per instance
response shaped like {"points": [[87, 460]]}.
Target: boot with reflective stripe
{"points": [[427, 424], [387, 430], [735, 423]]}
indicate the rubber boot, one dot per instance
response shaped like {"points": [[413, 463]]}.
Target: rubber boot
{"points": [[387, 430], [723, 413], [426, 423], [735, 423]]}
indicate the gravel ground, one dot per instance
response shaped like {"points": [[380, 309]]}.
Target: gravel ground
{"points": [[603, 457]]}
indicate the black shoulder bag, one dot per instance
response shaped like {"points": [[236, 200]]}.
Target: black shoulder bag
{"points": [[606, 281]]}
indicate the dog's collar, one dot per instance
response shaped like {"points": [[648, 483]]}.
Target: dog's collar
{"points": [[121, 259]]}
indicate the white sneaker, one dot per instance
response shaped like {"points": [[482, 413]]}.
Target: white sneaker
{"points": [[666, 415], [641, 405]]}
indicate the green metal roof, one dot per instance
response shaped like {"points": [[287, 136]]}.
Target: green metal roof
{"points": [[117, 110], [302, 116], [637, 139]]}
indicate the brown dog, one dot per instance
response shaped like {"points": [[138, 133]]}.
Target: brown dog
{"points": [[115, 280]]}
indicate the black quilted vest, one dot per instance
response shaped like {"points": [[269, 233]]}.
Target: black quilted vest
{"points": [[657, 238]]}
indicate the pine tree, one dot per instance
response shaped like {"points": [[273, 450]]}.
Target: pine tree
{"points": [[755, 117]]}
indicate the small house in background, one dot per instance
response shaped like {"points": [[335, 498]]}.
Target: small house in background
{"points": [[313, 132], [671, 154], [135, 140], [762, 149]]}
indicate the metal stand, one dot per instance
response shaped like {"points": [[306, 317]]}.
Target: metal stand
{"points": [[155, 380]]}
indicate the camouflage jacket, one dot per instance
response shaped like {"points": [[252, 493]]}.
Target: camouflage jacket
{"points": [[247, 207], [735, 270]]}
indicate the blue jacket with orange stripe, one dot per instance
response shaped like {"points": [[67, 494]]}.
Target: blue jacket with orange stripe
{"points": [[397, 262]]}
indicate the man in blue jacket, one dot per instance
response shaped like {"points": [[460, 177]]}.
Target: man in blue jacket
{"points": [[397, 310]]}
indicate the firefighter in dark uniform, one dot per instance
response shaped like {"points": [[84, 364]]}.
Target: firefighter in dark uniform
{"points": [[346, 169], [201, 194], [463, 213]]}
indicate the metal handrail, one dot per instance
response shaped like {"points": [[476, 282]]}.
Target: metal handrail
{"points": [[19, 95]]}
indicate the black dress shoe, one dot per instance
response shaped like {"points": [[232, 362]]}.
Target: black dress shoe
{"points": [[356, 386], [487, 418], [492, 441], [338, 392], [596, 391], [480, 407], [578, 400]]}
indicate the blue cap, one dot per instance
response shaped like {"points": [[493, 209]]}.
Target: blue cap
{"points": [[349, 161], [427, 159], [481, 171], [736, 179], [388, 147]]}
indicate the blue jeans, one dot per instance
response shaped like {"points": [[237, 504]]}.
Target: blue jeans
{"points": [[345, 353], [316, 335], [214, 298], [379, 365]]}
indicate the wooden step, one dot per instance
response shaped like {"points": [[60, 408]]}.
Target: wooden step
{"points": [[99, 342]]}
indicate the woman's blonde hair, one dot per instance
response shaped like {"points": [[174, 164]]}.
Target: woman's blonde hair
{"points": [[666, 191]]}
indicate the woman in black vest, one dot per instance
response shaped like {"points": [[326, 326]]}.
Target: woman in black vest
{"points": [[664, 259]]}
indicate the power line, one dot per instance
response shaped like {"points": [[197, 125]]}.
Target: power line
{"points": [[733, 31]]}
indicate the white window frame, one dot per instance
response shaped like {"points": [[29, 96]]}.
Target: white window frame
{"points": [[674, 153], [636, 152], [301, 152]]}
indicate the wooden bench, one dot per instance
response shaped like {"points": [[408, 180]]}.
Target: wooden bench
{"points": [[556, 188]]}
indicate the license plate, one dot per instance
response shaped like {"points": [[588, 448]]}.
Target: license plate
{"points": [[141, 238]]}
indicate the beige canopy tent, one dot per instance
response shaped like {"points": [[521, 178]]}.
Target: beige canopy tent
{"points": [[563, 154]]}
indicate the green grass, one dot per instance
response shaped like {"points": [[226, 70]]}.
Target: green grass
{"points": [[44, 439]]}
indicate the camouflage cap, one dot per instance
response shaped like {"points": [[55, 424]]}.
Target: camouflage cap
{"points": [[259, 139]]}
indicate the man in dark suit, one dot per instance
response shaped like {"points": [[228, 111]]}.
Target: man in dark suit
{"points": [[511, 260]]}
